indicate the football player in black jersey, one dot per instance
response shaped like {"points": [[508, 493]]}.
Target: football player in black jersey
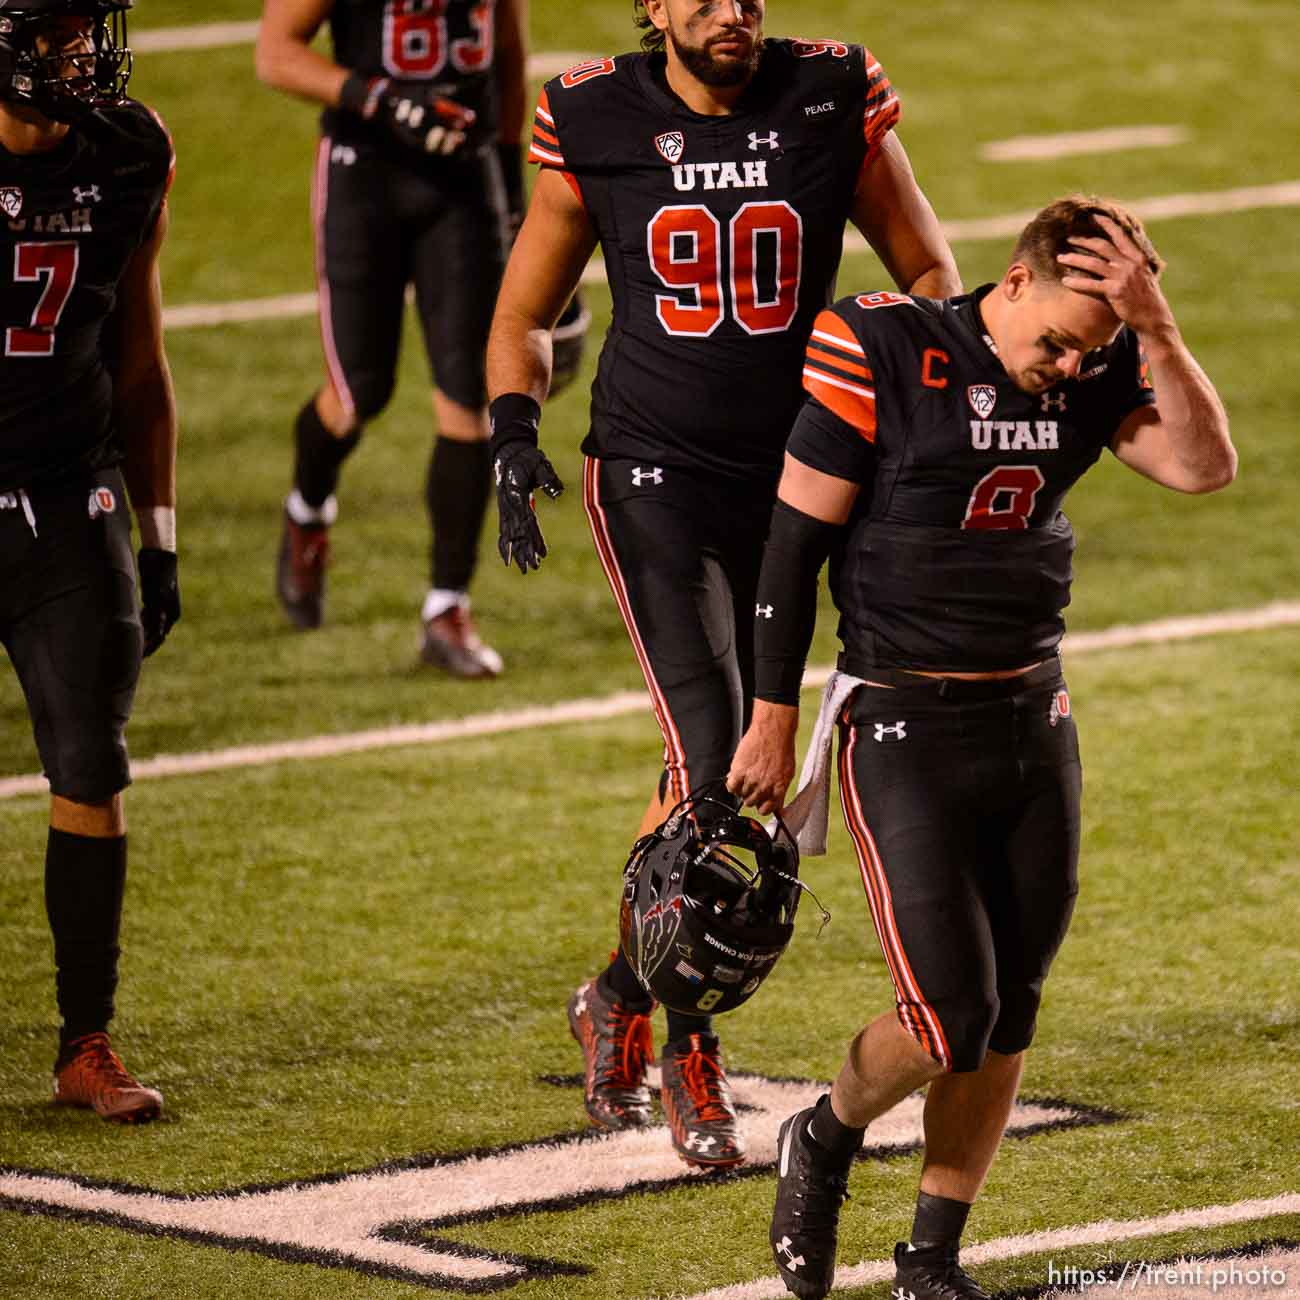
{"points": [[932, 457], [716, 169], [418, 181], [87, 420]]}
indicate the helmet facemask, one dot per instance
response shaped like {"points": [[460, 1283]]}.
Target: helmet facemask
{"points": [[60, 67], [709, 902]]}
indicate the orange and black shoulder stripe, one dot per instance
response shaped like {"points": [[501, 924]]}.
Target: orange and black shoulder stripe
{"points": [[882, 109], [545, 146], [836, 372]]}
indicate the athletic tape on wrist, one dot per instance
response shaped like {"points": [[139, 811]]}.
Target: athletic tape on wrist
{"points": [[157, 525]]}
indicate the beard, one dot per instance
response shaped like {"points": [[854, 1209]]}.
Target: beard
{"points": [[717, 70]]}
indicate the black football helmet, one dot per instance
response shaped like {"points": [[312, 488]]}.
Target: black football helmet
{"points": [[63, 84], [709, 900]]}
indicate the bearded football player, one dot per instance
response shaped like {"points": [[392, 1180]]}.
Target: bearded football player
{"points": [[716, 170], [87, 425], [418, 182], [933, 455]]}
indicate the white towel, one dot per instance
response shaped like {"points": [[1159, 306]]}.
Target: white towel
{"points": [[807, 814]]}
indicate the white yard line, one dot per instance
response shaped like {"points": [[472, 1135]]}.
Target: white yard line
{"points": [[201, 36], [1113, 139], [1286, 194], [597, 708], [216, 36], [1034, 1243]]}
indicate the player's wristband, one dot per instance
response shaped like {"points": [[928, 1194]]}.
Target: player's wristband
{"points": [[786, 614], [361, 95], [514, 417], [157, 525]]}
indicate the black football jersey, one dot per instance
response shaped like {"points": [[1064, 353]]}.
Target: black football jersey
{"points": [[722, 239], [449, 43], [959, 554], [72, 219]]}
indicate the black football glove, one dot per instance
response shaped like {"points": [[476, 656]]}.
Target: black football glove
{"points": [[418, 118], [568, 342], [160, 596], [521, 467]]}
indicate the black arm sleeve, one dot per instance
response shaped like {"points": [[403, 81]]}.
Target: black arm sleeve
{"points": [[797, 547], [822, 440]]}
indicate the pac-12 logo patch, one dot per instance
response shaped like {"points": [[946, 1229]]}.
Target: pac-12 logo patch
{"points": [[671, 145], [11, 200], [1060, 707], [983, 398], [102, 502]]}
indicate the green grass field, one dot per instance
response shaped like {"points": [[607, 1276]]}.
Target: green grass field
{"points": [[336, 964]]}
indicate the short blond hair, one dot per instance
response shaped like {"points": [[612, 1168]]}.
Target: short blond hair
{"points": [[1050, 232]]}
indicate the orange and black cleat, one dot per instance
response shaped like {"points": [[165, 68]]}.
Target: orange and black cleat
{"points": [[697, 1104], [89, 1073], [617, 1047]]}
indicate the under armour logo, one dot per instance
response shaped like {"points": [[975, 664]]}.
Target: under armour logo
{"points": [[897, 732], [343, 154], [770, 140], [1053, 401], [580, 1006], [655, 476], [763, 611], [792, 1261], [902, 1293], [90, 194], [698, 1142]]}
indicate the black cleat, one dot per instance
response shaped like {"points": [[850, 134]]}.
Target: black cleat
{"points": [[932, 1273], [697, 1104], [617, 1047], [810, 1188], [300, 572]]}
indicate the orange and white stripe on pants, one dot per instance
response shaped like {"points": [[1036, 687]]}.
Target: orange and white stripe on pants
{"points": [[915, 1014], [674, 750]]}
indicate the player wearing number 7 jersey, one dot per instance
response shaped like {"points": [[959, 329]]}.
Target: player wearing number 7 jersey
{"points": [[945, 435], [86, 420], [716, 170]]}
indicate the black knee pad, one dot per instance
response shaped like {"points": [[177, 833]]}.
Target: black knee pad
{"points": [[461, 375], [371, 392], [966, 1022], [1014, 1030], [87, 687]]}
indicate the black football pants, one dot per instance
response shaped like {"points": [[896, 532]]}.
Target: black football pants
{"points": [[962, 799], [682, 553], [69, 621], [383, 222]]}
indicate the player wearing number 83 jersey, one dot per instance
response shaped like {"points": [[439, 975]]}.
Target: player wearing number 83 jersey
{"points": [[716, 170]]}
